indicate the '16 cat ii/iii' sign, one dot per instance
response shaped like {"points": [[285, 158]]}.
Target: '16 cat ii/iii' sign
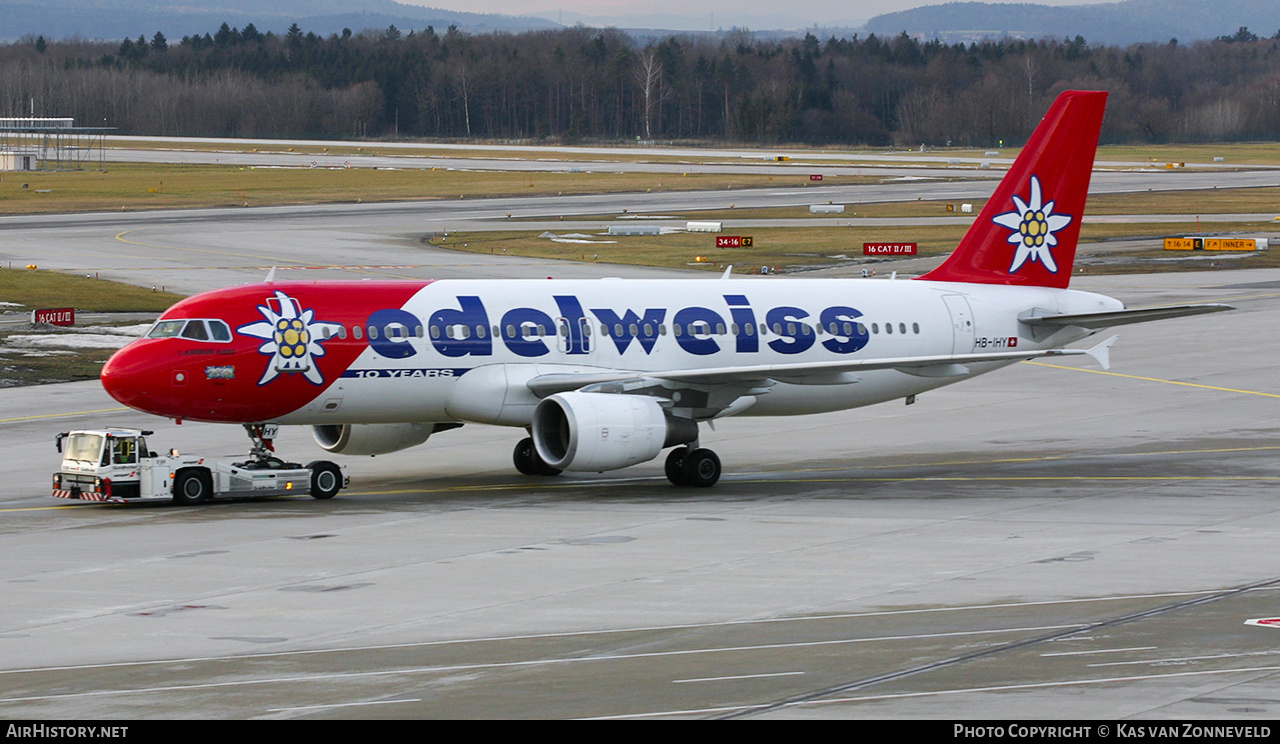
{"points": [[888, 249]]}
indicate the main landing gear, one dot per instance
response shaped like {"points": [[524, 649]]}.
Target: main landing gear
{"points": [[529, 462], [688, 465], [693, 466]]}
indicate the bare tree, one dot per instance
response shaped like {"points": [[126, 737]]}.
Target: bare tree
{"points": [[649, 74]]}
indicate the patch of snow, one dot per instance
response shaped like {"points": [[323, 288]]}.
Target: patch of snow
{"points": [[68, 340]]}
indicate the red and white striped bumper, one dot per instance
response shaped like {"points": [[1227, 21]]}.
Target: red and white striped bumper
{"points": [[62, 493]]}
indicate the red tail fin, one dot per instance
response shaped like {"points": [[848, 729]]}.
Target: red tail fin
{"points": [[1027, 232]]}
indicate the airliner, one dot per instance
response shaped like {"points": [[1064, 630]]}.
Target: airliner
{"points": [[604, 374]]}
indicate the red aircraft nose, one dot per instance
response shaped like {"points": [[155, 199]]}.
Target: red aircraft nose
{"points": [[130, 376]]}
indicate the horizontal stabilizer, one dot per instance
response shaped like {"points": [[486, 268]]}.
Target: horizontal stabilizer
{"points": [[1124, 317]]}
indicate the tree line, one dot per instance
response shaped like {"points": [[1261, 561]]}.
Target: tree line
{"points": [[583, 83]]}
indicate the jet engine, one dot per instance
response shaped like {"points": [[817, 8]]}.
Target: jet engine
{"points": [[370, 439], [605, 431]]}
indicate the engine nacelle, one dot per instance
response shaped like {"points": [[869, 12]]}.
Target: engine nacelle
{"points": [[370, 439], [605, 431]]}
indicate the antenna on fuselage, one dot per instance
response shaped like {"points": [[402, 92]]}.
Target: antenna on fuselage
{"points": [[271, 275], [728, 272]]}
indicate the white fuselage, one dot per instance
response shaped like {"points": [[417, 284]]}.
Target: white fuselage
{"points": [[463, 350]]}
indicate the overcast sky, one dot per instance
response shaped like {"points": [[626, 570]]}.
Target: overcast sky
{"points": [[705, 13]]}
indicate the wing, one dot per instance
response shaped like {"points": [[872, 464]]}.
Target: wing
{"points": [[723, 391]]}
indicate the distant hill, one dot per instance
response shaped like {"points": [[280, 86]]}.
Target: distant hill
{"points": [[119, 19], [1120, 23]]}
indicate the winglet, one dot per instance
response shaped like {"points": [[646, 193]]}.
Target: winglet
{"points": [[1102, 352]]}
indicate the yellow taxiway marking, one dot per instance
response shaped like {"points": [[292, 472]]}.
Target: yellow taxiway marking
{"points": [[60, 415], [255, 257], [121, 237], [1156, 379]]}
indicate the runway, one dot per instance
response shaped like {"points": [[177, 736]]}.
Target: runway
{"points": [[1048, 541]]}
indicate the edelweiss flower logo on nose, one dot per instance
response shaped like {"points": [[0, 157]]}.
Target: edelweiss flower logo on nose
{"points": [[292, 338], [1033, 224]]}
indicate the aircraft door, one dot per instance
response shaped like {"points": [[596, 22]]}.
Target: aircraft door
{"points": [[573, 336], [584, 334], [961, 323]]}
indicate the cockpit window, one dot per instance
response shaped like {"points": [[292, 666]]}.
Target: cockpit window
{"points": [[166, 329], [194, 329]]}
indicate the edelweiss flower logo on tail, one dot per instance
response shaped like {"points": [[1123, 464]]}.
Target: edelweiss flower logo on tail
{"points": [[292, 338], [1033, 225]]}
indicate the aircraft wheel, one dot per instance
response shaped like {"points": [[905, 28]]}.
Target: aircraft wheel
{"points": [[701, 468], [326, 479], [192, 487], [528, 462], [675, 466]]}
